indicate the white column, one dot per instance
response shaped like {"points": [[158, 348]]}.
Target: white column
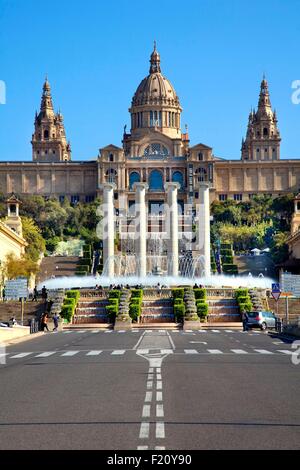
{"points": [[172, 189], [108, 227], [204, 225], [141, 227]]}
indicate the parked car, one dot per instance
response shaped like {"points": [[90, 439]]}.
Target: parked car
{"points": [[261, 319]]}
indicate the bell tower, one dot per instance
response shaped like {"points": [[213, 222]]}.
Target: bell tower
{"points": [[13, 219], [263, 138], [49, 143]]}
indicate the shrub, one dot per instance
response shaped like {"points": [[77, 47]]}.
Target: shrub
{"points": [[70, 301], [179, 311], [241, 293], [178, 293], [202, 310], [113, 301], [112, 311], [136, 301], [200, 293], [228, 259], [225, 252], [137, 293], [245, 307], [114, 294], [230, 268], [134, 311], [243, 299], [178, 301], [226, 246], [67, 312], [73, 294]]}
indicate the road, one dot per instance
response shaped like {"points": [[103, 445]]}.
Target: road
{"points": [[150, 390]]}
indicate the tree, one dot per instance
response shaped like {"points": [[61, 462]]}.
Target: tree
{"points": [[15, 267], [32, 235]]}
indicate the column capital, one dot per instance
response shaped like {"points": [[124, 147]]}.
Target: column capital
{"points": [[138, 186], [204, 185], [108, 186], [171, 185]]}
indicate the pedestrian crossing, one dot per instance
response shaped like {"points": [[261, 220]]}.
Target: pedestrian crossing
{"points": [[143, 330], [140, 352]]}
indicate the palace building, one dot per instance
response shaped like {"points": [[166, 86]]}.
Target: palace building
{"points": [[155, 151]]}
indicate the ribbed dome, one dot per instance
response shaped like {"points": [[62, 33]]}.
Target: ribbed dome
{"points": [[155, 89]]}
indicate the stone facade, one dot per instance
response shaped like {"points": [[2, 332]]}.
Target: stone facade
{"points": [[156, 152]]}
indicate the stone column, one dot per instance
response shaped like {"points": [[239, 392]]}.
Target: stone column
{"points": [[141, 227], [204, 225], [172, 189], [108, 227]]}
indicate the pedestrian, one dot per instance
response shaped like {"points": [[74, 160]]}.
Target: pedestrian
{"points": [[245, 320], [44, 322], [3, 294], [44, 294], [55, 321], [35, 295]]}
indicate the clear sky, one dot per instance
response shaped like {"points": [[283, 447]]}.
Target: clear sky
{"points": [[96, 53]]}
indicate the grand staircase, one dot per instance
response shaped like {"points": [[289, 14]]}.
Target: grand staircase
{"points": [[157, 310], [91, 309], [57, 266], [222, 309]]}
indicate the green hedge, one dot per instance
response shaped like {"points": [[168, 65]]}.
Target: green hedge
{"points": [[178, 293], [113, 301], [241, 293], [137, 293], [135, 311], [114, 294], [112, 311], [179, 311], [200, 293], [245, 307], [226, 252], [178, 301], [228, 259], [202, 310], [73, 294], [136, 301], [67, 312], [230, 268], [226, 246]]}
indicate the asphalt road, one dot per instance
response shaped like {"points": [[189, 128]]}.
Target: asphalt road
{"points": [[150, 390]]}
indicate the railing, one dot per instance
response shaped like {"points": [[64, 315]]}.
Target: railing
{"points": [[221, 292]]}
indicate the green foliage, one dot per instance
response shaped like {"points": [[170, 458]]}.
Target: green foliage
{"points": [[36, 243], [202, 310], [227, 259], [137, 293], [246, 307], [200, 293], [179, 311], [136, 300], [112, 311], [135, 311], [243, 299], [73, 294], [178, 293], [113, 301], [230, 268], [67, 312], [178, 301], [114, 294], [241, 293]]}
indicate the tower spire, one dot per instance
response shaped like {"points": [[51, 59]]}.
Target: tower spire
{"points": [[46, 102], [155, 61]]}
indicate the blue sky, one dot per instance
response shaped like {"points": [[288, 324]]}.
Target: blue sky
{"points": [[96, 53]]}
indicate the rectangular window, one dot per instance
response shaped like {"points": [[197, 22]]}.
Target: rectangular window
{"points": [[222, 197], [75, 199], [61, 198], [238, 197], [89, 198], [251, 196]]}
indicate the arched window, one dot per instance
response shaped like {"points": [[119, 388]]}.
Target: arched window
{"points": [[134, 177], [177, 177], [156, 181], [266, 132], [156, 149], [46, 134]]}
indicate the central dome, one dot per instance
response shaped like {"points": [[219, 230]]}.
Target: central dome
{"points": [[155, 89]]}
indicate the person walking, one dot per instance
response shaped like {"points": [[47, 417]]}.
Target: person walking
{"points": [[35, 295], [44, 322], [245, 319], [55, 321], [44, 294]]}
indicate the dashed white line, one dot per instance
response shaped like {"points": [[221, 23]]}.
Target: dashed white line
{"points": [[160, 431], [285, 351], [191, 351], [166, 351], [142, 351], [46, 354], [146, 411], [215, 331], [214, 351], [94, 353], [118, 352], [149, 384], [17, 356], [158, 376], [148, 397], [70, 353], [143, 448], [144, 430], [239, 351], [159, 385], [159, 411], [263, 351], [159, 396]]}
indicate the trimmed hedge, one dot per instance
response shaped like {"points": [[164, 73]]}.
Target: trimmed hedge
{"points": [[137, 293], [228, 259], [67, 312], [246, 307], [113, 301], [73, 294], [112, 311], [178, 301], [241, 293], [114, 294], [202, 310], [230, 268], [200, 293], [179, 311], [178, 293], [135, 311]]}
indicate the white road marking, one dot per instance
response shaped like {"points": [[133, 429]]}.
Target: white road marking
{"points": [[166, 351], [198, 342], [18, 356], [159, 448], [159, 385], [285, 351], [46, 354], [229, 331], [142, 447], [160, 431], [214, 351], [108, 331], [171, 340], [159, 396], [144, 430], [263, 351], [158, 377], [94, 353], [191, 351], [239, 351], [215, 331], [277, 342], [150, 377], [67, 331], [81, 331], [150, 370], [158, 370], [202, 331], [121, 331], [142, 351], [70, 353], [140, 339], [95, 331], [118, 352], [189, 331], [146, 411], [148, 331], [148, 397], [160, 411], [149, 384]]}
